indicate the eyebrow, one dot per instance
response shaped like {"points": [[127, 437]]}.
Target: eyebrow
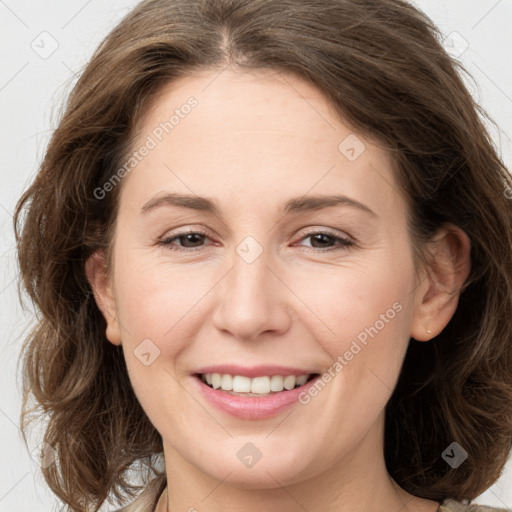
{"points": [[294, 205]]}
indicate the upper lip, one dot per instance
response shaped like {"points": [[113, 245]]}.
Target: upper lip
{"points": [[254, 371]]}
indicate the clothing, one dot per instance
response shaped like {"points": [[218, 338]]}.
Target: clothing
{"points": [[456, 506], [147, 500]]}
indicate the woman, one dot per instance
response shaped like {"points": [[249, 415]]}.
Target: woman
{"points": [[270, 245]]}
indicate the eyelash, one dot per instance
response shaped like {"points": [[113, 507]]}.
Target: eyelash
{"points": [[344, 243]]}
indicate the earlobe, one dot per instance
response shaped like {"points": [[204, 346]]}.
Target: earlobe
{"points": [[448, 268], [100, 282]]}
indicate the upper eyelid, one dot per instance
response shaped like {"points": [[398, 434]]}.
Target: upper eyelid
{"points": [[186, 231], [307, 231], [331, 231]]}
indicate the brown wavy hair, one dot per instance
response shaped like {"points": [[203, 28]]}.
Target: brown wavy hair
{"points": [[381, 65]]}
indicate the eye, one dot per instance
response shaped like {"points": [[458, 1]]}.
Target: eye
{"points": [[193, 241], [322, 241], [185, 241]]}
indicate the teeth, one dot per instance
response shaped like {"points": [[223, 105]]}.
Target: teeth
{"points": [[216, 380], [226, 382], [289, 381], [241, 384], [259, 385], [276, 383], [302, 380]]}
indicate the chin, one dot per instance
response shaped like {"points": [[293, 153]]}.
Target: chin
{"points": [[264, 477], [269, 472]]}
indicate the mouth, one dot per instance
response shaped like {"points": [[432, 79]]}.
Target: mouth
{"points": [[253, 393], [256, 387]]}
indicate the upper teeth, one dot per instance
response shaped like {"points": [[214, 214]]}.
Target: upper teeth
{"points": [[242, 384]]}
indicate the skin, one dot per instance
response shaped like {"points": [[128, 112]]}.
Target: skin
{"points": [[253, 142]]}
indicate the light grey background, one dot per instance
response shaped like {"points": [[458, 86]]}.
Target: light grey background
{"points": [[33, 84]]}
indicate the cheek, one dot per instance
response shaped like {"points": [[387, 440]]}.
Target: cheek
{"points": [[157, 305], [360, 302], [365, 315], [159, 300], [156, 300]]}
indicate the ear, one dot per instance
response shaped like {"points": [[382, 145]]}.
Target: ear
{"points": [[101, 284], [449, 264]]}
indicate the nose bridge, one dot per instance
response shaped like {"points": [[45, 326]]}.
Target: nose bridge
{"points": [[251, 276], [249, 300]]}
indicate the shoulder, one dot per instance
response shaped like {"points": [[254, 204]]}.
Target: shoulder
{"points": [[148, 498], [450, 505]]}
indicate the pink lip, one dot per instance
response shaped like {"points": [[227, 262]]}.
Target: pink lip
{"points": [[255, 371], [252, 408]]}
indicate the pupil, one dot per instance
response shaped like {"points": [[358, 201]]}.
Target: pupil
{"points": [[190, 238], [320, 236]]}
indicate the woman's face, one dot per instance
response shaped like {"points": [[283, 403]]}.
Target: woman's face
{"points": [[258, 236]]}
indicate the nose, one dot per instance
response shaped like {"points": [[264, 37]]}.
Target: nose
{"points": [[251, 300]]}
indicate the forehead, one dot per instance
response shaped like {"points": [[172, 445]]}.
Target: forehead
{"points": [[228, 101], [261, 136]]}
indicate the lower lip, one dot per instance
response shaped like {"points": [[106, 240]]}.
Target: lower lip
{"points": [[253, 408]]}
